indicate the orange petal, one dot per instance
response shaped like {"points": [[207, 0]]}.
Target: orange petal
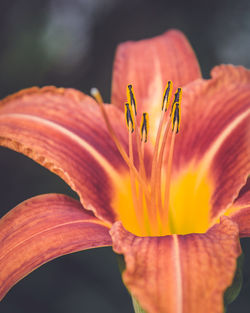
{"points": [[149, 64], [179, 273], [41, 229], [215, 134], [240, 213], [63, 130]]}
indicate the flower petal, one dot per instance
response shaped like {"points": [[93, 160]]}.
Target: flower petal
{"points": [[240, 213], [179, 273], [41, 229], [63, 130], [215, 134], [149, 64]]}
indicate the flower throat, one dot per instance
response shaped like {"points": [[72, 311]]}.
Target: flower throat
{"points": [[147, 193]]}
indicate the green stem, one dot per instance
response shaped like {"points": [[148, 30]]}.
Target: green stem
{"points": [[121, 264], [136, 305]]}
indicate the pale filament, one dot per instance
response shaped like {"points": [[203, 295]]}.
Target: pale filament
{"points": [[159, 168], [136, 200], [168, 179]]}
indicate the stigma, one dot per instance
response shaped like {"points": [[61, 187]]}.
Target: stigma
{"points": [[149, 182]]}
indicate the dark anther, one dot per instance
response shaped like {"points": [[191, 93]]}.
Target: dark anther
{"points": [[176, 99], [129, 117], [166, 96], [176, 118], [144, 127], [132, 98]]}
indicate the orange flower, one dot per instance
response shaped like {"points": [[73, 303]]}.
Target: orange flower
{"points": [[173, 203]]}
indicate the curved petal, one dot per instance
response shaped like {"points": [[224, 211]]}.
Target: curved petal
{"points": [[179, 273], [240, 213], [63, 130], [149, 64], [215, 134], [41, 229]]}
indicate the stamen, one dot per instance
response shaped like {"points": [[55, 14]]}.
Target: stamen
{"points": [[144, 127], [164, 211], [165, 216], [149, 212], [117, 142], [131, 98], [158, 154], [177, 98], [175, 130], [129, 119], [143, 207], [158, 182], [96, 94], [165, 103], [138, 211], [176, 118], [155, 163], [150, 206], [167, 96], [141, 215]]}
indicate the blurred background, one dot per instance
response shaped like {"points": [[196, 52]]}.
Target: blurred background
{"points": [[72, 44]]}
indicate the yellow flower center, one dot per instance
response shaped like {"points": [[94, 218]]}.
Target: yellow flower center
{"points": [[152, 202]]}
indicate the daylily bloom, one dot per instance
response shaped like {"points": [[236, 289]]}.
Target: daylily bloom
{"points": [[168, 177]]}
